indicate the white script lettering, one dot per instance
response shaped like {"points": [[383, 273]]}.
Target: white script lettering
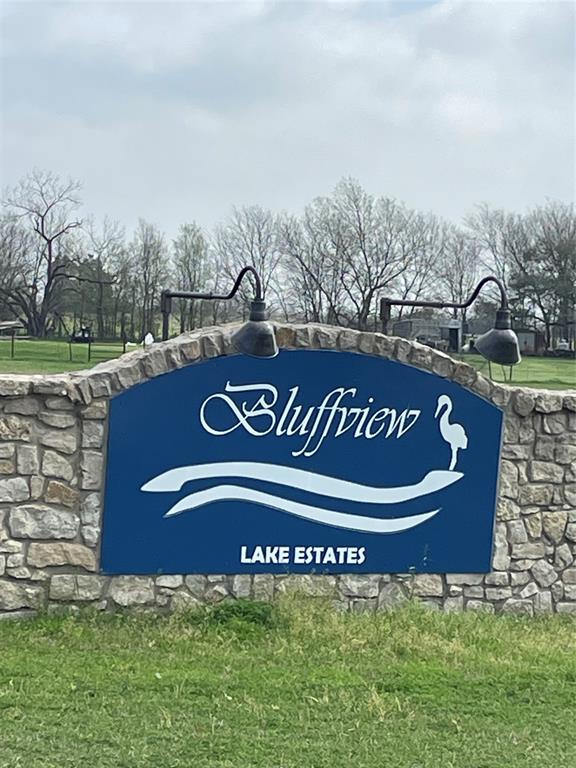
{"points": [[259, 410]]}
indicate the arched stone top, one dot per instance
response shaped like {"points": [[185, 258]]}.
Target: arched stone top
{"points": [[108, 379]]}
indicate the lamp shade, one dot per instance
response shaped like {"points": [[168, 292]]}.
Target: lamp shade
{"points": [[255, 338], [500, 345]]}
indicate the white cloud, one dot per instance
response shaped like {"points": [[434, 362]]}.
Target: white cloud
{"points": [[471, 116], [179, 110], [145, 35]]}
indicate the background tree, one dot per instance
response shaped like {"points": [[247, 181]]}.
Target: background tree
{"points": [[369, 242], [535, 254], [372, 233], [43, 204], [249, 237], [312, 267], [498, 235], [424, 243], [192, 272], [457, 267], [124, 295], [16, 244], [547, 274], [104, 245], [150, 272]]}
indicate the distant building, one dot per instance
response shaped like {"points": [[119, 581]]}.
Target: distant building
{"points": [[417, 328], [438, 333], [531, 342]]}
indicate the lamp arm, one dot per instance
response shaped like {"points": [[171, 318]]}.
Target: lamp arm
{"points": [[167, 296], [489, 279], [221, 296], [454, 305]]}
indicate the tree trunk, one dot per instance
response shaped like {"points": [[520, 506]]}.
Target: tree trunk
{"points": [[100, 309]]}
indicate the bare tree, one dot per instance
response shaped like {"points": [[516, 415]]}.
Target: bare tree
{"points": [[373, 241], [457, 267], [350, 248], [150, 266], [249, 238], [192, 271], [546, 277], [422, 246], [43, 204], [313, 266], [535, 254], [501, 239], [105, 244], [16, 245], [124, 293]]}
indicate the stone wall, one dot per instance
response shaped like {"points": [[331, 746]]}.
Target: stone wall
{"points": [[52, 443]]}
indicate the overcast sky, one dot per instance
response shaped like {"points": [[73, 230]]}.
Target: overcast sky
{"points": [[176, 111]]}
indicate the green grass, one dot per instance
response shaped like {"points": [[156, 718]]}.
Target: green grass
{"points": [[40, 356], [46, 356], [539, 372], [309, 688]]}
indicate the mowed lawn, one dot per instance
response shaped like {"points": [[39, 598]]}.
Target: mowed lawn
{"points": [[539, 372], [46, 356], [306, 687], [36, 356]]}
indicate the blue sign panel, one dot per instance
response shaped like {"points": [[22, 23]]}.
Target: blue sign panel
{"points": [[314, 461]]}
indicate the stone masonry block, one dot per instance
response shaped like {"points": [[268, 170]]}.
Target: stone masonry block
{"points": [[37, 521], [91, 469]]}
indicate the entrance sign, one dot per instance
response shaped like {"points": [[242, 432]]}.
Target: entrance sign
{"points": [[313, 461]]}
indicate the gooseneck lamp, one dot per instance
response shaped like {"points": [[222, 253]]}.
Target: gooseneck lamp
{"points": [[499, 345], [255, 338]]}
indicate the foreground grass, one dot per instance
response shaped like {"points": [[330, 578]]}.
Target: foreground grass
{"points": [[307, 688]]}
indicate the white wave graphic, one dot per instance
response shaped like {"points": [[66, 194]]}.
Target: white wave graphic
{"points": [[316, 514], [323, 485]]}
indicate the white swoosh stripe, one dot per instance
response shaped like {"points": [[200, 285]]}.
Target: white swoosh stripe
{"points": [[317, 514], [324, 485]]}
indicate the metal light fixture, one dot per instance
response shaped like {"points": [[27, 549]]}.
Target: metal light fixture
{"points": [[255, 338], [499, 345]]}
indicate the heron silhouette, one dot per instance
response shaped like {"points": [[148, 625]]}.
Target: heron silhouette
{"points": [[454, 434]]}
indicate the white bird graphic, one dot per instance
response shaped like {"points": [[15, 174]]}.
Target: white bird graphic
{"points": [[454, 434]]}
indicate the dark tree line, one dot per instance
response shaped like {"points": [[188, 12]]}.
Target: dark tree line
{"points": [[331, 264]]}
